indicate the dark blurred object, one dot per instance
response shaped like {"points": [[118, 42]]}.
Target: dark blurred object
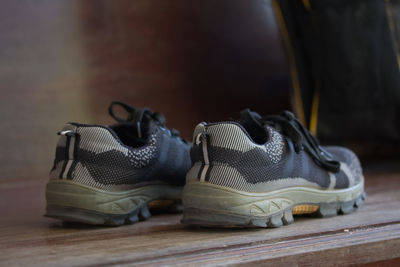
{"points": [[192, 60], [345, 61]]}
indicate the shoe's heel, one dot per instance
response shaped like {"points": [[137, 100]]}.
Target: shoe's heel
{"points": [[74, 202]]}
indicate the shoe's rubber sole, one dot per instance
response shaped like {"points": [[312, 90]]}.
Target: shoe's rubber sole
{"points": [[210, 205], [72, 202]]}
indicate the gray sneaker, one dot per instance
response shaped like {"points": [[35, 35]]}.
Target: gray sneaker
{"points": [[107, 175], [260, 171]]}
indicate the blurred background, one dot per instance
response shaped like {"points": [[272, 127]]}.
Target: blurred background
{"points": [[193, 61]]}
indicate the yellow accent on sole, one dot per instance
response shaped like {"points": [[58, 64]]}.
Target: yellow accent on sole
{"points": [[304, 209]]}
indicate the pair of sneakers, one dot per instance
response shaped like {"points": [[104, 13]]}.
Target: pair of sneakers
{"points": [[253, 172]]}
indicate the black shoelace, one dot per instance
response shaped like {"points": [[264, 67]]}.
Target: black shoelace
{"points": [[136, 116], [302, 139]]}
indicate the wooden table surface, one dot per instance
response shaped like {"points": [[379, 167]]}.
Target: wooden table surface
{"points": [[371, 235]]}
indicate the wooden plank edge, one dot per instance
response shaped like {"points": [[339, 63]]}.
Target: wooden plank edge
{"points": [[356, 246]]}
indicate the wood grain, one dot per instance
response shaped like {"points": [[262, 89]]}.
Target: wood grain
{"points": [[369, 235]]}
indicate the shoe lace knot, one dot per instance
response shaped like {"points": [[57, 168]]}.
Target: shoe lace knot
{"points": [[137, 115]]}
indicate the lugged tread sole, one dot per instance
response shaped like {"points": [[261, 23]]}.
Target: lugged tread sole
{"points": [[212, 218], [70, 214], [72, 202]]}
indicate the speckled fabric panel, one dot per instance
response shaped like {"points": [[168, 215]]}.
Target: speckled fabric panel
{"points": [[275, 146], [142, 157]]}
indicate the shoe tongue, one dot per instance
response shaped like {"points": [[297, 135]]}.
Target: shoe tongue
{"points": [[144, 120], [135, 115], [251, 121], [139, 115]]}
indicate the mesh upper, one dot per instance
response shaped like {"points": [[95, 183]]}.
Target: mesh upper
{"points": [[237, 162], [102, 161]]}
